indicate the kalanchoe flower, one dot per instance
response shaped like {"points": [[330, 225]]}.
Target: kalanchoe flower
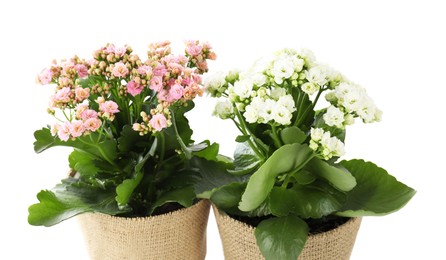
{"points": [[115, 110]]}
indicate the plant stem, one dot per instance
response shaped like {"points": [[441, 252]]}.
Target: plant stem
{"points": [[244, 129], [275, 137], [183, 147]]}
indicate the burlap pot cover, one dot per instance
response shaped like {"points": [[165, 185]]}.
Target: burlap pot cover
{"points": [[176, 235], [239, 241]]}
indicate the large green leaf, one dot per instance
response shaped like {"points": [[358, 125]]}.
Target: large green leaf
{"points": [[105, 150], [339, 178], [125, 190], [292, 134], [311, 201], [281, 238], [288, 158], [83, 163], [69, 199], [377, 193], [213, 175], [228, 197], [245, 160], [184, 196]]}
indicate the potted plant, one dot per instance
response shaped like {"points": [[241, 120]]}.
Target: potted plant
{"points": [[288, 194], [133, 164]]}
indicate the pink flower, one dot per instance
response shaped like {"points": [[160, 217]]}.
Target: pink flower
{"points": [[63, 95], [45, 77], [82, 93], [88, 114], [109, 107], [110, 48], [120, 51], [82, 70], [63, 131], [66, 67], [158, 122], [163, 96], [77, 128], [159, 70], [156, 83], [145, 70], [134, 88], [120, 70], [92, 124], [176, 92], [193, 48]]}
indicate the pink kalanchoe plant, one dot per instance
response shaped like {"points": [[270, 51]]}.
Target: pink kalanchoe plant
{"points": [[124, 117]]}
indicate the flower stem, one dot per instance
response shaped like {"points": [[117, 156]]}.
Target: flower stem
{"points": [[244, 129], [186, 151]]}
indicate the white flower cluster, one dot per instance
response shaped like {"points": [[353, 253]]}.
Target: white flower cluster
{"points": [[352, 101], [326, 145], [224, 109], [215, 83], [264, 109]]}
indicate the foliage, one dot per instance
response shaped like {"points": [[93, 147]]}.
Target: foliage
{"points": [[288, 156], [125, 120]]}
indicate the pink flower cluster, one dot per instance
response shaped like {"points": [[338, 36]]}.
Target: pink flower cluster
{"points": [[117, 76], [86, 120]]}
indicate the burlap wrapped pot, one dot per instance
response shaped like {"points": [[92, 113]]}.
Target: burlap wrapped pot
{"points": [[239, 241], [176, 235]]}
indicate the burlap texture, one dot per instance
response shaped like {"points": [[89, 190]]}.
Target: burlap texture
{"points": [[177, 235], [239, 241]]}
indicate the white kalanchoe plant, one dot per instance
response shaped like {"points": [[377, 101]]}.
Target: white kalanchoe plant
{"points": [[286, 168]]}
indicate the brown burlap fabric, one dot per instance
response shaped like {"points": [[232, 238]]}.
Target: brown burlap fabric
{"points": [[177, 235], [239, 241]]}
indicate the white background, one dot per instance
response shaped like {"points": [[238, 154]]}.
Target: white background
{"points": [[395, 49]]}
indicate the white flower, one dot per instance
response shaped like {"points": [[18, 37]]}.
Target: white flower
{"points": [[326, 145], [252, 110], [288, 102], [215, 83], [243, 88], [334, 117], [224, 109], [332, 146], [318, 75], [368, 112], [258, 79], [308, 57], [281, 115], [276, 93], [265, 109], [283, 68], [310, 88], [316, 134]]}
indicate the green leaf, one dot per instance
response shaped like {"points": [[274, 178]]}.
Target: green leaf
{"points": [[125, 190], [312, 201], [208, 151], [213, 175], [184, 196], [69, 199], [340, 178], [83, 164], [292, 134], [288, 158], [377, 192], [245, 160], [105, 150], [228, 197], [242, 138], [305, 113], [281, 238], [130, 140]]}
